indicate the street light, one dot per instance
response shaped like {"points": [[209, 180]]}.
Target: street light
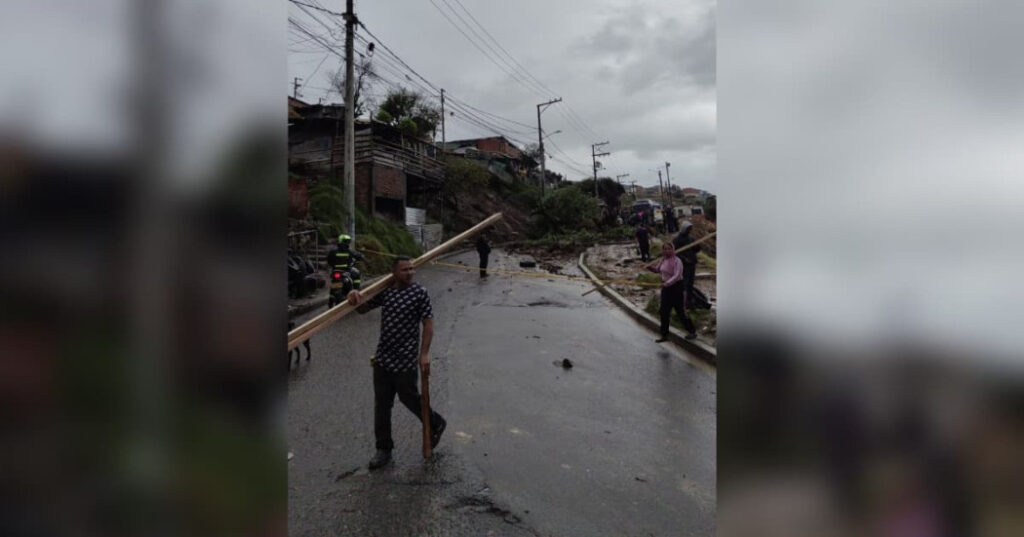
{"points": [[552, 134]]}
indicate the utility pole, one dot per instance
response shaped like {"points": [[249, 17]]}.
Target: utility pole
{"points": [[540, 140], [632, 189], [295, 87], [619, 177], [350, 127], [662, 187], [443, 140], [593, 157], [668, 181]]}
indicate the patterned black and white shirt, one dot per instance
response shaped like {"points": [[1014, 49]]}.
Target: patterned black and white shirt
{"points": [[402, 312]]}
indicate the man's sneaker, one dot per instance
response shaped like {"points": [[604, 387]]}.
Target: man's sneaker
{"points": [[436, 432], [382, 457], [662, 339], [691, 335]]}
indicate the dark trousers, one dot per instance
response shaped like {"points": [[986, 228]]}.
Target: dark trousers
{"points": [[483, 263], [672, 297], [385, 386], [689, 275], [645, 251]]}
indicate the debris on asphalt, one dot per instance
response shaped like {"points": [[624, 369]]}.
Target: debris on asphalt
{"points": [[527, 261], [566, 363]]}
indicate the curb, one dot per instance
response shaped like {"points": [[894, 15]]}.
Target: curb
{"points": [[321, 302], [697, 348]]}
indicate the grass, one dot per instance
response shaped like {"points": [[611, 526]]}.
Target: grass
{"points": [[379, 235], [648, 277], [706, 263]]}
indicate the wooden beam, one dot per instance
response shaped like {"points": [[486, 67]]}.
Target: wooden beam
{"points": [[318, 323]]}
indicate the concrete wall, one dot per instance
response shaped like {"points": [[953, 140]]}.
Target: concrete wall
{"points": [[428, 236]]}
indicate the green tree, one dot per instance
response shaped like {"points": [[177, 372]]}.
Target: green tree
{"points": [[608, 189], [711, 208], [564, 210], [410, 112]]}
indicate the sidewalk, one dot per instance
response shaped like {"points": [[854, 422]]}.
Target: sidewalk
{"points": [[302, 306]]}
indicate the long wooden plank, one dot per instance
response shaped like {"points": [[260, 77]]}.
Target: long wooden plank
{"points": [[318, 323], [705, 238], [425, 413]]}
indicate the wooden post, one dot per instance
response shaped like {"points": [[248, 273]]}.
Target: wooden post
{"points": [[318, 323], [707, 237], [425, 413]]}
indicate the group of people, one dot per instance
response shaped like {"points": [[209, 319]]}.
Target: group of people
{"points": [[402, 353], [677, 271]]}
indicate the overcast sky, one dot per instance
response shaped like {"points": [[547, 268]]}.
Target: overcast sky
{"points": [[638, 74]]}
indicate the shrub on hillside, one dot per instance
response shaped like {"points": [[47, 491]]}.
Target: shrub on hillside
{"points": [[394, 239], [327, 207], [464, 175], [565, 210]]}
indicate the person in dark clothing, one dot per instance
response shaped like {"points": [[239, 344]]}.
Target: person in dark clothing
{"points": [[688, 257], [671, 221], [343, 256], [643, 240], [404, 306], [484, 249], [671, 270]]}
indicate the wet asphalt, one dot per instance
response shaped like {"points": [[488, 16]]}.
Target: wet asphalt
{"points": [[623, 443]]}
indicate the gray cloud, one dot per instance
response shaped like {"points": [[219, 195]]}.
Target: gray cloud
{"points": [[641, 76]]}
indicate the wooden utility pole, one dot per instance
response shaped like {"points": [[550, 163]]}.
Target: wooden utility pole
{"points": [[350, 132], [662, 188], [295, 87], [593, 157], [540, 140], [443, 139], [668, 181]]}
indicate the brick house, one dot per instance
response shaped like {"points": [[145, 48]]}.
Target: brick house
{"points": [[502, 158], [392, 171]]}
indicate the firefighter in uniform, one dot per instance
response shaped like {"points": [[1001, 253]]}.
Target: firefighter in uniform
{"points": [[343, 258]]}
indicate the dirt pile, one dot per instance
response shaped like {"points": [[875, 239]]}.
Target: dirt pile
{"points": [[470, 208]]}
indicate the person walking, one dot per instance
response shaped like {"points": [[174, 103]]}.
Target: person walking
{"points": [[671, 270], [484, 249], [404, 306], [643, 241]]}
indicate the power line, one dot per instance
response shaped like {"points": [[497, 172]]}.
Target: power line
{"points": [[495, 41], [395, 68], [497, 55], [574, 119], [318, 8], [474, 43], [457, 104]]}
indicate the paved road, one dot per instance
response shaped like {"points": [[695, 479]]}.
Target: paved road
{"points": [[622, 444]]}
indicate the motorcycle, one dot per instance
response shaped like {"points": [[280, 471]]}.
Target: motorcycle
{"points": [[343, 281]]}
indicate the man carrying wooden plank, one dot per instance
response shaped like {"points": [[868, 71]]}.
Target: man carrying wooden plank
{"points": [[404, 306]]}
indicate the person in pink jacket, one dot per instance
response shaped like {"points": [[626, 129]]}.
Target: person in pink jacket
{"points": [[672, 292]]}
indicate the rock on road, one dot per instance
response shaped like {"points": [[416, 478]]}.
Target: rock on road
{"points": [[621, 444]]}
